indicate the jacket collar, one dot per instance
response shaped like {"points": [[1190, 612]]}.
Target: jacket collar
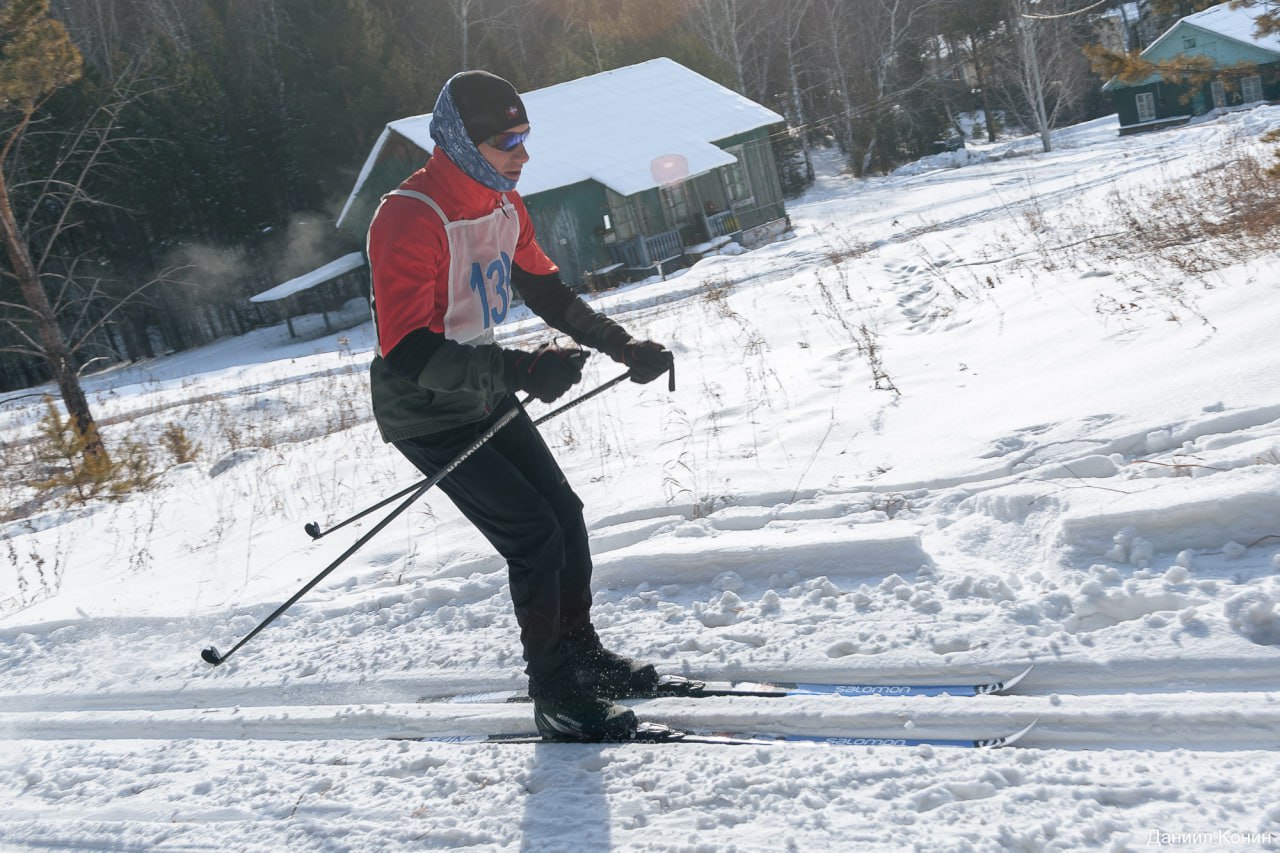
{"points": [[462, 196]]}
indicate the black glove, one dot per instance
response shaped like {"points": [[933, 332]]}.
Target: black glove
{"points": [[546, 373], [647, 359]]}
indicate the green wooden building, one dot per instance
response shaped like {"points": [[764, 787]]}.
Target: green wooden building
{"points": [[1250, 70], [631, 172]]}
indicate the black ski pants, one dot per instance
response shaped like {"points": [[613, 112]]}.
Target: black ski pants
{"points": [[513, 491]]}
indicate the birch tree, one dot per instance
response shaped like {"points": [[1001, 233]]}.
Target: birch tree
{"points": [[794, 49], [889, 30], [734, 31], [1032, 82]]}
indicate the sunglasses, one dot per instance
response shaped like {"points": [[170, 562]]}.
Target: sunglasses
{"points": [[509, 140]]}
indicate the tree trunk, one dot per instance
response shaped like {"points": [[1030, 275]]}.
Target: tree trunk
{"points": [[464, 33], [1032, 83], [868, 156], [52, 343], [797, 103], [978, 55]]}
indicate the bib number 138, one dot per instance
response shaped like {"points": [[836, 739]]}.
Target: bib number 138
{"points": [[493, 285]]}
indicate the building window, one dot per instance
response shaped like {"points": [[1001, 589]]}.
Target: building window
{"points": [[1146, 107], [737, 181], [1188, 42], [675, 200], [622, 216], [1251, 88], [1219, 94]]}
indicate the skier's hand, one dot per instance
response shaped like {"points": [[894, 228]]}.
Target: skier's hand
{"points": [[547, 372], [647, 359]]}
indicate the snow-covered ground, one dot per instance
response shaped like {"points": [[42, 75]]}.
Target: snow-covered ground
{"points": [[954, 425]]}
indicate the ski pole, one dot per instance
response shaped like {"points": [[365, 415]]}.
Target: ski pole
{"points": [[211, 655], [313, 529]]}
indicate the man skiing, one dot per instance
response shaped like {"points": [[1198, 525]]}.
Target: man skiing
{"points": [[449, 250]]}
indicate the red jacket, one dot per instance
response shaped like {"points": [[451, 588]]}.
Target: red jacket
{"points": [[409, 253], [421, 381]]}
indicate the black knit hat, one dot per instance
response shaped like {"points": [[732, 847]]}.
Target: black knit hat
{"points": [[487, 103]]}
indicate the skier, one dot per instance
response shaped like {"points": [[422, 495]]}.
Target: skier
{"points": [[448, 251]]}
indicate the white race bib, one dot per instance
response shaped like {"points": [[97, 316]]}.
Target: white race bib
{"points": [[480, 252]]}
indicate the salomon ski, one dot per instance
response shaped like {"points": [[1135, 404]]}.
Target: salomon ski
{"points": [[656, 733], [679, 686]]}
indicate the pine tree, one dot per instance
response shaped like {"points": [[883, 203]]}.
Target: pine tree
{"points": [[68, 468], [976, 30], [37, 59], [81, 477]]}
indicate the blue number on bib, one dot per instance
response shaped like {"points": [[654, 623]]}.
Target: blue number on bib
{"points": [[502, 285], [477, 284], [499, 273]]}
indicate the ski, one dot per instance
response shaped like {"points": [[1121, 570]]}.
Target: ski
{"points": [[676, 686], [656, 733]]}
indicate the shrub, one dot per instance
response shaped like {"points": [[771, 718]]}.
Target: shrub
{"points": [[66, 469]]}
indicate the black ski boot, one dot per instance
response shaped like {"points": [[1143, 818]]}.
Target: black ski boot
{"points": [[564, 710], [605, 673]]}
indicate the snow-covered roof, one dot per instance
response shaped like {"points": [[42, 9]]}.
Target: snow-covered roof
{"points": [[620, 128], [320, 275], [1238, 24]]}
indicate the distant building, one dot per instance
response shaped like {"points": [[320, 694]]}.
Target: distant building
{"points": [[631, 171], [1249, 70], [320, 291]]}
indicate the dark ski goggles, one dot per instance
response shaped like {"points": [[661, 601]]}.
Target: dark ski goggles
{"points": [[508, 140]]}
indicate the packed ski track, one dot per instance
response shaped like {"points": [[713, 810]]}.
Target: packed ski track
{"points": [[942, 432]]}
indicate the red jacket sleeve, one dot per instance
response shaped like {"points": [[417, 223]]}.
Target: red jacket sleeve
{"points": [[409, 265]]}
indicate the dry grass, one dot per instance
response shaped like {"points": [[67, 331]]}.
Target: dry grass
{"points": [[200, 428], [1225, 213]]}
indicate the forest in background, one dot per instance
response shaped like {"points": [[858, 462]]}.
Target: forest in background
{"points": [[213, 141]]}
